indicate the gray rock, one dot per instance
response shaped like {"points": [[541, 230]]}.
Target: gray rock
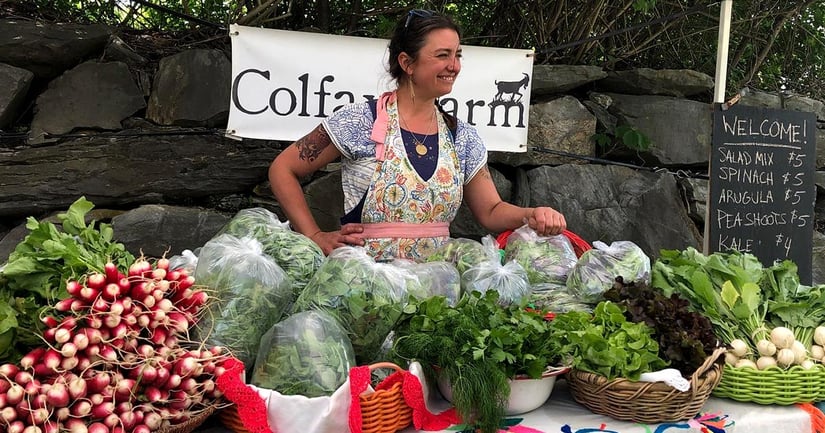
{"points": [[666, 82], [129, 170], [610, 203], [326, 200], [563, 124], [756, 98], [818, 265], [93, 95], [820, 146], [158, 230], [554, 79], [14, 85], [49, 49], [679, 129], [191, 89], [695, 193]]}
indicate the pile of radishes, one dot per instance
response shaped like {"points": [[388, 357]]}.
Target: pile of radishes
{"points": [[780, 348], [118, 357]]}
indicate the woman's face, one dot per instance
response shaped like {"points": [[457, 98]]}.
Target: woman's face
{"points": [[438, 64]]}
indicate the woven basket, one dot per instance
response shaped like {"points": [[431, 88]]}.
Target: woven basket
{"points": [[773, 385], [385, 410], [230, 419], [646, 402], [192, 423]]}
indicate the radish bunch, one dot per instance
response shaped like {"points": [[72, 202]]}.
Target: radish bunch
{"points": [[117, 357]]}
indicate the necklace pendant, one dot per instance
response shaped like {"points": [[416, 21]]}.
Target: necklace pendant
{"points": [[420, 149]]}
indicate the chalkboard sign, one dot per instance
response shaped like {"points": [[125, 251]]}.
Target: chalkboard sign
{"points": [[762, 191]]}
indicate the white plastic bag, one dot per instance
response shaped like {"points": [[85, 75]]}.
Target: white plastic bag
{"points": [[598, 268]]}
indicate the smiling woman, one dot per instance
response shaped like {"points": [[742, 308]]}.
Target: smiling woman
{"points": [[406, 164]]}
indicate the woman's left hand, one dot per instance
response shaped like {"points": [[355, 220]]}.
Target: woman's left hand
{"points": [[546, 221]]}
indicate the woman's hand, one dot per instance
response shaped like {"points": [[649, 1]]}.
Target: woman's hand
{"points": [[546, 221], [348, 235]]}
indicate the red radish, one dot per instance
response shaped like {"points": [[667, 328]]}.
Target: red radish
{"points": [[108, 353], [68, 350], [51, 359], [141, 290], [62, 414], [173, 275], [73, 287], [103, 410], [95, 281], [124, 388], [58, 395], [186, 282], [98, 382], [98, 427], [8, 414], [4, 386], [75, 425], [81, 408], [100, 305], [51, 427], [31, 358], [38, 416], [112, 274], [49, 321], [8, 370], [159, 274], [68, 364], [111, 420], [23, 378], [111, 291], [162, 263], [68, 322], [15, 394], [140, 428], [124, 285], [16, 427], [80, 341], [174, 381], [62, 335], [153, 420], [77, 388], [111, 321]]}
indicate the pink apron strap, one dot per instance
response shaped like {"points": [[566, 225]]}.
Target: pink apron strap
{"points": [[379, 126], [405, 230]]}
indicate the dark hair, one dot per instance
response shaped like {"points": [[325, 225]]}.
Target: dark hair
{"points": [[410, 34]]}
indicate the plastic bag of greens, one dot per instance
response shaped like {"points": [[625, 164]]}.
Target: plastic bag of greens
{"points": [[462, 253], [295, 253], [307, 353], [366, 297], [598, 268], [556, 298], [435, 279], [547, 259], [509, 280], [252, 294]]}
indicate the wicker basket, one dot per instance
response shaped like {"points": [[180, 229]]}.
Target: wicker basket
{"points": [[646, 402], [773, 385], [385, 410], [191, 424], [230, 419]]}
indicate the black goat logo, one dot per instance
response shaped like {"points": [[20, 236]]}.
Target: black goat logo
{"points": [[512, 88]]}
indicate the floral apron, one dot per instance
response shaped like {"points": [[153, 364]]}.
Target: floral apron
{"points": [[405, 216]]}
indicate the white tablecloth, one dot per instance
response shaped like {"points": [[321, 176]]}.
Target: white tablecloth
{"points": [[561, 414]]}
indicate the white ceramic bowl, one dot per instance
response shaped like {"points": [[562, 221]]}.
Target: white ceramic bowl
{"points": [[525, 394]]}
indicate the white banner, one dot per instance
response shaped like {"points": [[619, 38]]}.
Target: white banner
{"points": [[284, 83]]}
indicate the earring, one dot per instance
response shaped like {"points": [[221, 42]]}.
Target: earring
{"points": [[412, 91]]}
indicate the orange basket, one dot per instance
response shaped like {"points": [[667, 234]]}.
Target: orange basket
{"points": [[385, 410]]}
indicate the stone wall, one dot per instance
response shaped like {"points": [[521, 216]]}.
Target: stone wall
{"points": [[83, 115]]}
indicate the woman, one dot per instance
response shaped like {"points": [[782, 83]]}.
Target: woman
{"points": [[406, 166]]}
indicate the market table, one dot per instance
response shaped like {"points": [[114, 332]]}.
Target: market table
{"points": [[561, 414]]}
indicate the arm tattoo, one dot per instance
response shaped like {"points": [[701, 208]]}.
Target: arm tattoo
{"points": [[312, 144]]}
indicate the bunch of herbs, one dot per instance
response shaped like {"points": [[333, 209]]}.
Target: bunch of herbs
{"points": [[479, 345]]}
